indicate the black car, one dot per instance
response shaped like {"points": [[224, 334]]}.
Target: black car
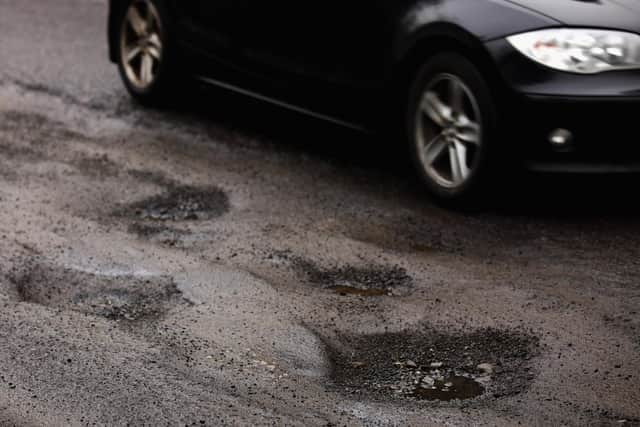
{"points": [[475, 86]]}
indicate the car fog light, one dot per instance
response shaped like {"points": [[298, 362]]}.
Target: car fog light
{"points": [[561, 139]]}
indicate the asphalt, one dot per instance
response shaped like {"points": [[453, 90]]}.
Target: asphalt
{"points": [[222, 262]]}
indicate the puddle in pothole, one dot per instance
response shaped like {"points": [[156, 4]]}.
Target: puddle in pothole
{"points": [[182, 203], [115, 297], [368, 281], [431, 365], [449, 388]]}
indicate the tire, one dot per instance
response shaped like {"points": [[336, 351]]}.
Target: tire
{"points": [[145, 53], [452, 125]]}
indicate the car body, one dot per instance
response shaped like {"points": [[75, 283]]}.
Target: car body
{"points": [[355, 62]]}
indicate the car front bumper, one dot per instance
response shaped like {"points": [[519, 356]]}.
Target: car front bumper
{"points": [[598, 114]]}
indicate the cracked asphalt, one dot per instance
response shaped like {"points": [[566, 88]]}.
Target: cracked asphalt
{"points": [[221, 262]]}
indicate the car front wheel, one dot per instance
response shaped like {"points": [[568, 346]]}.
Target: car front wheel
{"points": [[451, 121]]}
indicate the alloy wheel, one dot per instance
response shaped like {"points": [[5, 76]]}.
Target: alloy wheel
{"points": [[141, 46], [448, 131]]}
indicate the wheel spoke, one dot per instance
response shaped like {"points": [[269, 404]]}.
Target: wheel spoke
{"points": [[154, 52], [436, 110], [133, 53], [146, 69], [458, 158], [137, 23], [434, 149], [154, 40], [456, 173], [468, 131], [461, 149]]}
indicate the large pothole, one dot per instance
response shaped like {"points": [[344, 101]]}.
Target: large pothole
{"points": [[181, 203], [434, 365], [121, 297]]}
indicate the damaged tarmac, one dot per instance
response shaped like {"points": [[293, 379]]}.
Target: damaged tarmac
{"points": [[189, 267]]}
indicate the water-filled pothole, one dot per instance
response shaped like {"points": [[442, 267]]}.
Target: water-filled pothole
{"points": [[433, 365], [449, 388], [112, 296], [181, 203]]}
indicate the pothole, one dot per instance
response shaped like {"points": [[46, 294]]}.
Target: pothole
{"points": [[373, 281], [181, 203], [115, 297], [434, 366], [361, 281], [349, 280]]}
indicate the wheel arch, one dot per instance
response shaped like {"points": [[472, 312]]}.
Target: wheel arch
{"points": [[411, 52]]}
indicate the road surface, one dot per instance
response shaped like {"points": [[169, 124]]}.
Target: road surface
{"points": [[226, 263]]}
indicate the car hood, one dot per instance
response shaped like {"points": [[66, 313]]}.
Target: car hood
{"points": [[612, 14]]}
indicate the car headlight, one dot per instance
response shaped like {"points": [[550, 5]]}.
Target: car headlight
{"points": [[582, 51]]}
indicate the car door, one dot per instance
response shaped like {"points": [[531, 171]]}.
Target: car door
{"points": [[212, 26], [324, 46]]}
